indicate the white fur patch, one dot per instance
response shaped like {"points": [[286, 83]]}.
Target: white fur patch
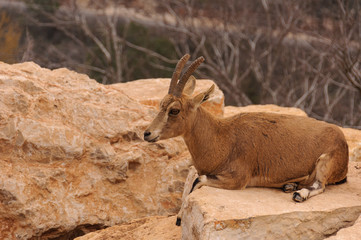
{"points": [[316, 185], [304, 193], [203, 178]]}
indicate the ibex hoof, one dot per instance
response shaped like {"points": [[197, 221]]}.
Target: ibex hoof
{"points": [[289, 187], [196, 181], [297, 197], [178, 222]]}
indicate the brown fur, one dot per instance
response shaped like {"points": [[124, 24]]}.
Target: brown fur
{"points": [[264, 149]]}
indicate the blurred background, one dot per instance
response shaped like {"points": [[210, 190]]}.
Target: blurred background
{"points": [[293, 53]]}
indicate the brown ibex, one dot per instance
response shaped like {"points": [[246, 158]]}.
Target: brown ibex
{"points": [[295, 153]]}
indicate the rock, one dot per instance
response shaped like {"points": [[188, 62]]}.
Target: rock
{"points": [[72, 155], [355, 153], [231, 110], [350, 233], [150, 228], [263, 213], [164, 228], [150, 93], [353, 138]]}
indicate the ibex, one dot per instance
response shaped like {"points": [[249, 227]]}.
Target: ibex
{"points": [[294, 153]]}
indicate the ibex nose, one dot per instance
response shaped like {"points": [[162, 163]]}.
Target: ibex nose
{"points": [[146, 134]]}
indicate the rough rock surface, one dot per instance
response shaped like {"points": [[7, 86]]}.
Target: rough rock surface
{"points": [[231, 110], [151, 92], [353, 138], [263, 213], [72, 155], [150, 228], [164, 228], [350, 233]]}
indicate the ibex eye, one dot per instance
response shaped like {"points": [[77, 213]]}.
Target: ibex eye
{"points": [[174, 112]]}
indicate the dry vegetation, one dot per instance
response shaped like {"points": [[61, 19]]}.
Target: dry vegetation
{"points": [[304, 54]]}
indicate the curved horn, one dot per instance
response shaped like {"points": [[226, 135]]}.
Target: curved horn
{"points": [[176, 73], [182, 82]]}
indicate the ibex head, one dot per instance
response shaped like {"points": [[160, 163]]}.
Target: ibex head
{"points": [[178, 108]]}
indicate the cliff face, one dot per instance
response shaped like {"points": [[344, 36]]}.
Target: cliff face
{"points": [[72, 155], [72, 158]]}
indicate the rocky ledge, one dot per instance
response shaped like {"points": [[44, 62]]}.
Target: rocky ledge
{"points": [[255, 213], [263, 213]]}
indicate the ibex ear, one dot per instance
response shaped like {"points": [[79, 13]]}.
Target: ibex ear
{"points": [[190, 85], [204, 96]]}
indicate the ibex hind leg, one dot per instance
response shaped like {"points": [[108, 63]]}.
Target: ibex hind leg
{"points": [[323, 173]]}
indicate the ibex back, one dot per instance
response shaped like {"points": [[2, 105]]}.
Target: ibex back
{"points": [[295, 153]]}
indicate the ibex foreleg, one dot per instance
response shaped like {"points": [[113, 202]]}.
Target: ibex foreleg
{"points": [[219, 181], [188, 188], [290, 187]]}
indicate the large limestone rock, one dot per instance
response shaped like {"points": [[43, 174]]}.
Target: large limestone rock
{"points": [[353, 138], [350, 233], [150, 93], [72, 155], [231, 110], [261, 213]]}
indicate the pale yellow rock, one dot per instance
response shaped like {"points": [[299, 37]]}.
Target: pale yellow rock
{"points": [[72, 155], [355, 154], [152, 92], [353, 137], [274, 204], [232, 110], [261, 213], [350, 233]]}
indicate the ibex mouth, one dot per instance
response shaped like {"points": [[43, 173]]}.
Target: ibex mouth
{"points": [[153, 140]]}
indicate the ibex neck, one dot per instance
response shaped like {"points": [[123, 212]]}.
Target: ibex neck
{"points": [[201, 139]]}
